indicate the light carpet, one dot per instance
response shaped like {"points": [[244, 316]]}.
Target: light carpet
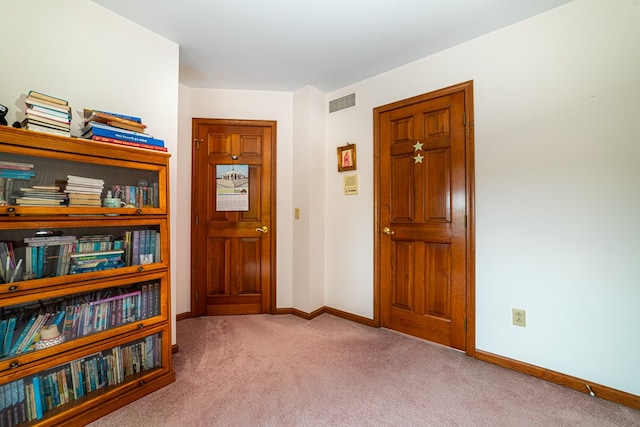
{"points": [[265, 370]]}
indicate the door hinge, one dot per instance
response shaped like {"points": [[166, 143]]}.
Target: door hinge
{"points": [[464, 119], [197, 141], [465, 325], [465, 221], [197, 300], [198, 220]]}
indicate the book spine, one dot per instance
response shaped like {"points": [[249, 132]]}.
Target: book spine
{"points": [[31, 111], [8, 337], [126, 136], [128, 143], [48, 98], [16, 174], [50, 112], [122, 116], [135, 260]]}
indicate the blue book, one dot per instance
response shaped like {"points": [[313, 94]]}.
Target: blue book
{"points": [[8, 336], [110, 132], [51, 112], [16, 174], [3, 332], [40, 264], [37, 396], [23, 335], [59, 320]]}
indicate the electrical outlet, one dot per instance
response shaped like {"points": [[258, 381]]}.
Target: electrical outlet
{"points": [[518, 317]]}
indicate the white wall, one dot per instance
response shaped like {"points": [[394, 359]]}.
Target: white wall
{"points": [[309, 172], [98, 61], [557, 155], [237, 104], [182, 264]]}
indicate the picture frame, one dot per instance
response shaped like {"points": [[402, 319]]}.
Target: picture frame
{"points": [[347, 157]]}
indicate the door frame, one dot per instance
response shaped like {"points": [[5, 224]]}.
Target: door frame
{"points": [[272, 201], [467, 88]]}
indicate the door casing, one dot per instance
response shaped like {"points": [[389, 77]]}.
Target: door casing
{"points": [[197, 306]]}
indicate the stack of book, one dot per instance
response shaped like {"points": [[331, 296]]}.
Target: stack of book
{"points": [[45, 113], [83, 191], [10, 171], [41, 195], [119, 129], [82, 262]]}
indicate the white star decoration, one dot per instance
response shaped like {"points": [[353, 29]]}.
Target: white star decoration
{"points": [[417, 146], [418, 158]]}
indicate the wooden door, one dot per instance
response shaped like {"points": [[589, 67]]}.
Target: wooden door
{"points": [[233, 251], [422, 203]]}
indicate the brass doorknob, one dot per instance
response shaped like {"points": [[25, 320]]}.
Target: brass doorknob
{"points": [[264, 229], [388, 231]]}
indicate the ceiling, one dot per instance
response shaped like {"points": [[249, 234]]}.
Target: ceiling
{"points": [[284, 45]]}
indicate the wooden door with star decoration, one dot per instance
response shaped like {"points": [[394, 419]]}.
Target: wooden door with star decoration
{"points": [[421, 247]]}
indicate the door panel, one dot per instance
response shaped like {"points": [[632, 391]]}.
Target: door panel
{"points": [[421, 200], [233, 251]]}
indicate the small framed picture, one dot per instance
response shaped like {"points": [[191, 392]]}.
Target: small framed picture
{"points": [[347, 158]]}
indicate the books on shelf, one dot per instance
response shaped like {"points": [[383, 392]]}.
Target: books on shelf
{"points": [[115, 120], [95, 261], [16, 170], [83, 191], [16, 174], [41, 195], [29, 399], [58, 255], [138, 196], [46, 113], [48, 98], [100, 129], [127, 143], [119, 129], [32, 101]]}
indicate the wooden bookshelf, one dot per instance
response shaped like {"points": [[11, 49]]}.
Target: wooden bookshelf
{"points": [[111, 311]]}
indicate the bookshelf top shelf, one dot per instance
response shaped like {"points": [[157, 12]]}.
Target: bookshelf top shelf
{"points": [[15, 140]]}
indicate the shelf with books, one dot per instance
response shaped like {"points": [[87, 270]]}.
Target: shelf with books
{"points": [[76, 315], [61, 262], [82, 171], [118, 369], [35, 254]]}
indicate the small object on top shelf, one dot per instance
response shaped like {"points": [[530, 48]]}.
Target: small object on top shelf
{"points": [[3, 112]]}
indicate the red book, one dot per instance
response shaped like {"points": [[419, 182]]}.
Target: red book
{"points": [[127, 143]]}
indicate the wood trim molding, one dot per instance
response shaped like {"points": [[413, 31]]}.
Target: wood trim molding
{"points": [[352, 317], [333, 311], [603, 392], [308, 316], [182, 316], [174, 349]]}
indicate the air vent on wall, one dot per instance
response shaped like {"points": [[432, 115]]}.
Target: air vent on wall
{"points": [[342, 103]]}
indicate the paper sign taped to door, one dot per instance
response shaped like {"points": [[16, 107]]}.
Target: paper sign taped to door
{"points": [[232, 187]]}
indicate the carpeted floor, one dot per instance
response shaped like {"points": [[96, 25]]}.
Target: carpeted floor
{"points": [[267, 370]]}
